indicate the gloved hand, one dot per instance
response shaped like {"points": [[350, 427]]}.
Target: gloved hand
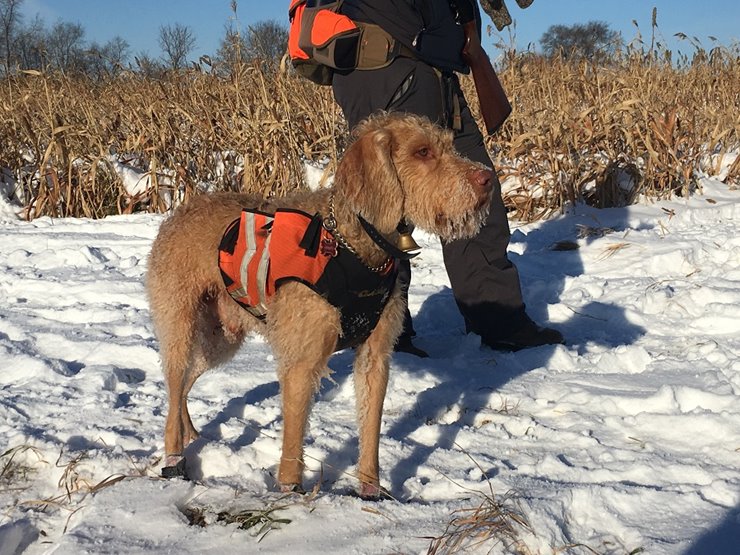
{"points": [[498, 12]]}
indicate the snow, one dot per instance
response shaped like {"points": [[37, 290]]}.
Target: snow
{"points": [[626, 438]]}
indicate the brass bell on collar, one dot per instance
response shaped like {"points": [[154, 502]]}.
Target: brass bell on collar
{"points": [[405, 241]]}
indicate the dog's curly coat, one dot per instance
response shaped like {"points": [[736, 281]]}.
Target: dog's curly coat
{"points": [[399, 166]]}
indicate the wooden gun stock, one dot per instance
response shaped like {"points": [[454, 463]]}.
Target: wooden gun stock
{"points": [[494, 105]]}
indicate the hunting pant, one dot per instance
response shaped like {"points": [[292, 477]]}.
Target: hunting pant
{"points": [[484, 281]]}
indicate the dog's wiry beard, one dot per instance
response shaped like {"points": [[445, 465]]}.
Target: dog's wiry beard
{"points": [[458, 222], [460, 227]]}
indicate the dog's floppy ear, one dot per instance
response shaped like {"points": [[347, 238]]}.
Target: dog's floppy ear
{"points": [[368, 180]]}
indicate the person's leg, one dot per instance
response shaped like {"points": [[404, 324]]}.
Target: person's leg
{"points": [[484, 281]]}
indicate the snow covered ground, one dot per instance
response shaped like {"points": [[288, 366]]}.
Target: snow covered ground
{"points": [[625, 440]]}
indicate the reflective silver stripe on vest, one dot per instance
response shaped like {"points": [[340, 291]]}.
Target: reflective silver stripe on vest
{"points": [[264, 265], [259, 307], [249, 253], [240, 293]]}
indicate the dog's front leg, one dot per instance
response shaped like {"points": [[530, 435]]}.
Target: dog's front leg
{"points": [[303, 330], [371, 381], [297, 391]]}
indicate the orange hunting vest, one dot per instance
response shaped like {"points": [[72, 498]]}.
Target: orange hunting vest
{"points": [[261, 251]]}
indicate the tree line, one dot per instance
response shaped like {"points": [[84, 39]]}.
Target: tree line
{"points": [[62, 46], [34, 45]]}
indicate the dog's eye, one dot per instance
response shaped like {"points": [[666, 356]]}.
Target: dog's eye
{"points": [[424, 153]]}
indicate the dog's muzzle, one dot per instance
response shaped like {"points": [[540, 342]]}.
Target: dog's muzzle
{"points": [[482, 182]]}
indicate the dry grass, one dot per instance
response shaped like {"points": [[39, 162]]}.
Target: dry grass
{"points": [[16, 466], [250, 132], [603, 135], [260, 521], [77, 480], [491, 523]]}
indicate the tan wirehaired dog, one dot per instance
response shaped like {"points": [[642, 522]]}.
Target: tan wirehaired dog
{"points": [[398, 167]]}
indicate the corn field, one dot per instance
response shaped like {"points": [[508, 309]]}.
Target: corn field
{"points": [[579, 133], [606, 134]]}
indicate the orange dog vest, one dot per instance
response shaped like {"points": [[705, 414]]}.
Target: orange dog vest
{"points": [[261, 251]]}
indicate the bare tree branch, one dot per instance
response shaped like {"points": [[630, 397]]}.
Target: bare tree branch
{"points": [[10, 20], [176, 41]]}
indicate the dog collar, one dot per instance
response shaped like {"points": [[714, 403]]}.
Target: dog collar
{"points": [[383, 243], [330, 224]]}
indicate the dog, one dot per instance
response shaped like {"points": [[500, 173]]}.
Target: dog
{"points": [[398, 167]]}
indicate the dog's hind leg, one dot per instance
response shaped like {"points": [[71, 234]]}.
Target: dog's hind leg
{"points": [[176, 352], [196, 341], [303, 331], [371, 380], [221, 326]]}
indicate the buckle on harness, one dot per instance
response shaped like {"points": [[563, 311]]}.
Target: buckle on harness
{"points": [[329, 244]]}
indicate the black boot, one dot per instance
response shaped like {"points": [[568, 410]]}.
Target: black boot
{"points": [[528, 335], [404, 344]]}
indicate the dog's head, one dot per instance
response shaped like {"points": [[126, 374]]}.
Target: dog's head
{"points": [[403, 166]]}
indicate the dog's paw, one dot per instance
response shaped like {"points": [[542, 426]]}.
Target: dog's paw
{"points": [[175, 467], [372, 492], [292, 488]]}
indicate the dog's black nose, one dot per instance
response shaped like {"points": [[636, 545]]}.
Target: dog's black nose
{"points": [[482, 180]]}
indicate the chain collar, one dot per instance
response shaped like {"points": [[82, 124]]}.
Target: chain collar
{"points": [[330, 225]]}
